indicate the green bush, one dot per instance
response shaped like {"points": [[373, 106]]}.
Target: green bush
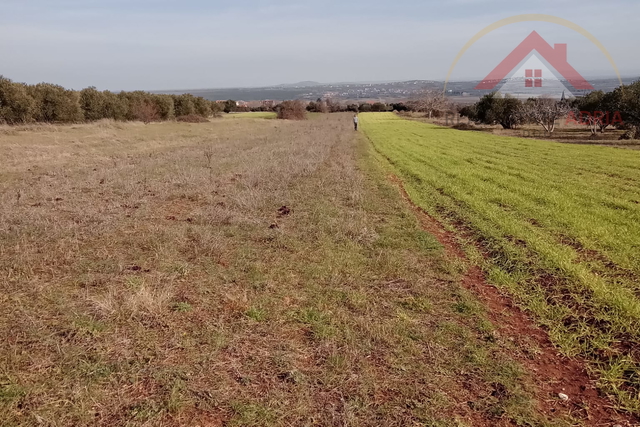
{"points": [[494, 109], [115, 107], [55, 104], [16, 105], [202, 107], [92, 103], [165, 107]]}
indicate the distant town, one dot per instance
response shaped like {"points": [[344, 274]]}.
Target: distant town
{"points": [[462, 92]]}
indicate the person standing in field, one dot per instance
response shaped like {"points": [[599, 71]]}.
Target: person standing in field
{"points": [[355, 122]]}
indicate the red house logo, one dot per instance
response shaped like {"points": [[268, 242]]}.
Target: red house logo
{"points": [[555, 57]]}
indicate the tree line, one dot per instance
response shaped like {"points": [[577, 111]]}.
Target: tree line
{"points": [[598, 110], [49, 103]]}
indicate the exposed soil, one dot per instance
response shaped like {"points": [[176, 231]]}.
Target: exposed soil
{"points": [[551, 372]]}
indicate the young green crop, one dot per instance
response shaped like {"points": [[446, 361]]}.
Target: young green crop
{"points": [[559, 224]]}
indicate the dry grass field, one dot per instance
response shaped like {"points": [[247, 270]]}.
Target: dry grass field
{"points": [[240, 273]]}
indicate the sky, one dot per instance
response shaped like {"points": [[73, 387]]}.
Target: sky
{"points": [[191, 44]]}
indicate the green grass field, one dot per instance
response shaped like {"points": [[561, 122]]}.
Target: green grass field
{"points": [[556, 225]]}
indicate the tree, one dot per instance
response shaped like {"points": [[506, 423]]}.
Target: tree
{"points": [[546, 111], [202, 107], [379, 107], [230, 106], [400, 106], [216, 108], [164, 106], [55, 104], [292, 110], [470, 112], [115, 106], [44, 102], [332, 106], [495, 109], [130, 100], [16, 105], [364, 108], [596, 110], [430, 102], [320, 106], [626, 101], [92, 103], [145, 111]]}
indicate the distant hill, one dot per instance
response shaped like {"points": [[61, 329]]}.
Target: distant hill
{"points": [[301, 84], [463, 91]]}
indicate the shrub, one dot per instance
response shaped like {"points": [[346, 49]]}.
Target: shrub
{"points": [[92, 103], [630, 134], [216, 109], [494, 109], [16, 105], [55, 104], [184, 105], [230, 106], [202, 107], [378, 107], [165, 107], [470, 112], [44, 102], [292, 110], [145, 111], [115, 106], [464, 126]]}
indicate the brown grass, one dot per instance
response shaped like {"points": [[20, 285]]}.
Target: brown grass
{"points": [[150, 277], [192, 118]]}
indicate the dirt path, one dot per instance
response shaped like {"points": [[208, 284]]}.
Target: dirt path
{"points": [[551, 372]]}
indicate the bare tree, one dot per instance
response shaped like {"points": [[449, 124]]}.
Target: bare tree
{"points": [[430, 102], [146, 112], [546, 111], [292, 110]]}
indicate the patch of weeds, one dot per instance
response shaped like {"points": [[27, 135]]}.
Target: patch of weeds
{"points": [[426, 241], [337, 361], [466, 304], [176, 400], [257, 314], [182, 307], [95, 370], [10, 393], [135, 283], [180, 269], [318, 321], [145, 411], [418, 304], [251, 414], [88, 326], [292, 377]]}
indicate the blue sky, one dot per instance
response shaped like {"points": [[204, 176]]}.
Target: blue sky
{"points": [[160, 44]]}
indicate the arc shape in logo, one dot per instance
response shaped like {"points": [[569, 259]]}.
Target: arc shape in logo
{"points": [[529, 18]]}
